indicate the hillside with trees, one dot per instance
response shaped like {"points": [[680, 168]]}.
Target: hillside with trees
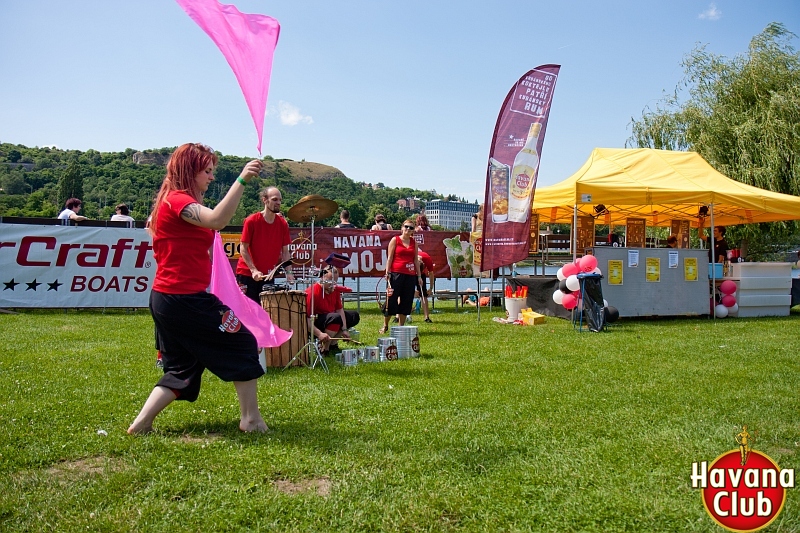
{"points": [[35, 182]]}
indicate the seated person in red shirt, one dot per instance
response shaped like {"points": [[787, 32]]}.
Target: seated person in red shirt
{"points": [[331, 318]]}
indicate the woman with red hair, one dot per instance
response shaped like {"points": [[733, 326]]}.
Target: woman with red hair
{"points": [[195, 330]]}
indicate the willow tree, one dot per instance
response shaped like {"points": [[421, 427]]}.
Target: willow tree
{"points": [[742, 115]]}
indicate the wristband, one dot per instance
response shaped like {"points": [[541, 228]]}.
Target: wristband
{"points": [[242, 181]]}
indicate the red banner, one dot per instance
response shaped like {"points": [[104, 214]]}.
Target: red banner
{"points": [[367, 250], [513, 168]]}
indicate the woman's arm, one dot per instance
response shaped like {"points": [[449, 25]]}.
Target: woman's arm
{"points": [[390, 255], [218, 217]]}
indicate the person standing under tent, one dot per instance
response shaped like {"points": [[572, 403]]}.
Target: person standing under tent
{"points": [[720, 246]]}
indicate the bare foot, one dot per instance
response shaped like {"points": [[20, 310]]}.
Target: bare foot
{"points": [[137, 428], [255, 425]]}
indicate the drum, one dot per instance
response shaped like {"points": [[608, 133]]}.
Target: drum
{"points": [[387, 349], [287, 309], [350, 357], [407, 341], [369, 354]]}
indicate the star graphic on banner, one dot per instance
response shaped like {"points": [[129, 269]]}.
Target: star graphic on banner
{"points": [[54, 286], [10, 284], [32, 285]]}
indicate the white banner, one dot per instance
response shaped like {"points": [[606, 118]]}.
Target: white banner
{"points": [[69, 266]]}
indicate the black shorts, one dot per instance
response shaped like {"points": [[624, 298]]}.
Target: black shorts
{"points": [[323, 322], [402, 298], [195, 332]]}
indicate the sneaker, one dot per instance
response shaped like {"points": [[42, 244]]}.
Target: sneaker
{"points": [[428, 320]]}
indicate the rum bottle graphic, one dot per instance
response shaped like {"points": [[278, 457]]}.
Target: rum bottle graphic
{"points": [[523, 177]]}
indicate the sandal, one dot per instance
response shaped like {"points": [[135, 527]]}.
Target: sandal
{"points": [[383, 330]]}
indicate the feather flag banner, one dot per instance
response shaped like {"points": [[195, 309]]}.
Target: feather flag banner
{"points": [[248, 43], [252, 315]]}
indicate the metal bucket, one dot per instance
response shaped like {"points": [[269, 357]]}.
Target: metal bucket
{"points": [[369, 354], [407, 341], [349, 357], [387, 348]]}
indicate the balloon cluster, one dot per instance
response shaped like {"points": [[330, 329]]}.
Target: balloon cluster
{"points": [[569, 286], [727, 304]]}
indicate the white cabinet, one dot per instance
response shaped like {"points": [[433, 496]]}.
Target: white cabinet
{"points": [[762, 289]]}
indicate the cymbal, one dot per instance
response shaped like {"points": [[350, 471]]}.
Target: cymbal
{"points": [[312, 206]]}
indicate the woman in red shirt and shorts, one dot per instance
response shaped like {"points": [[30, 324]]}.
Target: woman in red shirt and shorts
{"points": [[195, 329], [402, 273]]}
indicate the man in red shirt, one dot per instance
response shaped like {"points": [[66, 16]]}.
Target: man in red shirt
{"points": [[331, 318], [264, 244]]}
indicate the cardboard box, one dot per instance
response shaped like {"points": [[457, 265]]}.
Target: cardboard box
{"points": [[530, 318]]}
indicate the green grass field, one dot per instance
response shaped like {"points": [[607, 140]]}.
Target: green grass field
{"points": [[495, 428]]}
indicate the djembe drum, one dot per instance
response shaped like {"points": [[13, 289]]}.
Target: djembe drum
{"points": [[287, 310]]}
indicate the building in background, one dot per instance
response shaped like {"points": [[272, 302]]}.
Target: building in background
{"points": [[409, 204], [450, 215]]}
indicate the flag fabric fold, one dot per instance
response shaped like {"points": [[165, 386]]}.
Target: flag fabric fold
{"points": [[248, 43], [252, 315]]}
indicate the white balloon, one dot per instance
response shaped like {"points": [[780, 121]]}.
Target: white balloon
{"points": [[721, 311], [573, 283], [732, 310], [560, 274], [558, 296], [597, 271]]}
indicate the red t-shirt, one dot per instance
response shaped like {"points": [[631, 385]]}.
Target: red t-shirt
{"points": [[266, 242], [403, 262], [426, 261], [324, 303], [180, 249]]}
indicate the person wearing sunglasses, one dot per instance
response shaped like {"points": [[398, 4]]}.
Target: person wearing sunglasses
{"points": [[402, 273]]}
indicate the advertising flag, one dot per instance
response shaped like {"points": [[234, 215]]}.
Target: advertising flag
{"points": [[513, 167]]}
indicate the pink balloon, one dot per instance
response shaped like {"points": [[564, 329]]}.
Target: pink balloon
{"points": [[569, 301], [727, 287], [570, 269], [728, 300], [588, 263]]}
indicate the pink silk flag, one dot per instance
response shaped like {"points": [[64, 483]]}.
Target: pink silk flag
{"points": [[252, 315], [248, 44]]}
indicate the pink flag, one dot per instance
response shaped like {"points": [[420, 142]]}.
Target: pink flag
{"points": [[252, 315], [247, 42]]}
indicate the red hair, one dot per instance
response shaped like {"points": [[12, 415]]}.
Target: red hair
{"points": [[185, 163]]}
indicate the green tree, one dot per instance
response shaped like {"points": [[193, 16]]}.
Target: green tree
{"points": [[743, 116], [71, 183]]}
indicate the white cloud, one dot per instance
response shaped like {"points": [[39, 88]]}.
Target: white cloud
{"points": [[712, 13], [290, 115]]}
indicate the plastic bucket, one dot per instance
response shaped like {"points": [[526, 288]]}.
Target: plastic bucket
{"points": [[514, 307]]}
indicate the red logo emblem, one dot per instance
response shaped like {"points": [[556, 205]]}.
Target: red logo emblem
{"points": [[415, 344], [523, 180], [742, 490], [391, 353], [230, 323]]}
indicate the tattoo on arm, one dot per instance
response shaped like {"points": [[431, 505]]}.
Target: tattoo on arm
{"points": [[191, 212]]}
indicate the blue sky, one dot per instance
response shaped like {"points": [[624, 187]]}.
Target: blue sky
{"points": [[405, 93]]}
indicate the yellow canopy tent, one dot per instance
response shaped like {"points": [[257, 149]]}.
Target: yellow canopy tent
{"points": [[659, 186]]}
